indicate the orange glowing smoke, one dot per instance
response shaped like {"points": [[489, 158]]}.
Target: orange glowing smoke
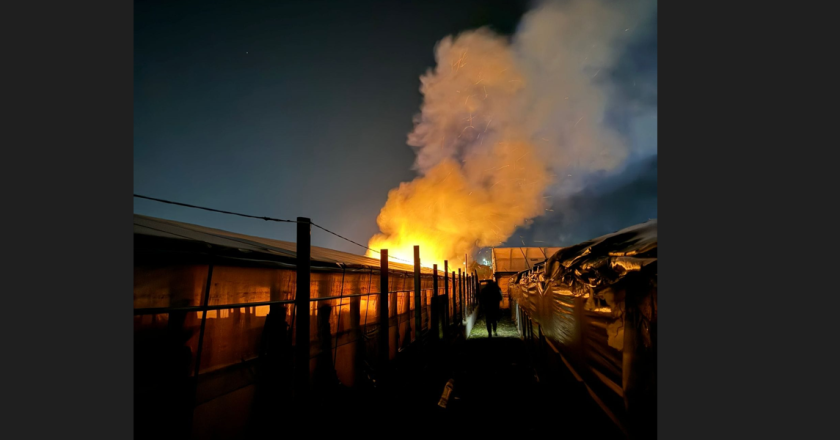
{"points": [[500, 118], [452, 210], [481, 178]]}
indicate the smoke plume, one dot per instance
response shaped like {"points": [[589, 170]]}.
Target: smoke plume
{"points": [[507, 124]]}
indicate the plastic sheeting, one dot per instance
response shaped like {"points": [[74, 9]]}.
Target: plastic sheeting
{"points": [[517, 259], [595, 304], [235, 331], [243, 334], [249, 246], [172, 261]]}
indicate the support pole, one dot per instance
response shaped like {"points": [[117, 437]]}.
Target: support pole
{"points": [[473, 290], [467, 296], [467, 293], [418, 297], [476, 286], [470, 291], [446, 293], [304, 242], [384, 349], [204, 304], [355, 329], [460, 296], [455, 297], [465, 281], [435, 327]]}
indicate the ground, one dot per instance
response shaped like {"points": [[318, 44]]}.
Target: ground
{"points": [[505, 328], [498, 390], [500, 387]]}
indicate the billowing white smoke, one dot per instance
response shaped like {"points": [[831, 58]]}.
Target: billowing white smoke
{"points": [[505, 122]]}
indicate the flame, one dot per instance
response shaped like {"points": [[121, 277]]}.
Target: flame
{"points": [[453, 210]]}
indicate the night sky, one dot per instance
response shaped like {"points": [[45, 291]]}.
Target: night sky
{"points": [[289, 109]]}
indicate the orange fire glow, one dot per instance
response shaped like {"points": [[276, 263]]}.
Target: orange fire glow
{"points": [[453, 210]]}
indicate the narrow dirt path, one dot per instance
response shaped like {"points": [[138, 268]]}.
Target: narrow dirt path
{"points": [[499, 390]]}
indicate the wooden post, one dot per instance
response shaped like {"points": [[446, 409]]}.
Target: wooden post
{"points": [[418, 297], [474, 291], [435, 327], [476, 288], [470, 291], [208, 284], [466, 283], [304, 242], [204, 304], [463, 293], [355, 328], [446, 293], [384, 349], [460, 297], [454, 303], [467, 297], [454, 297], [467, 293]]}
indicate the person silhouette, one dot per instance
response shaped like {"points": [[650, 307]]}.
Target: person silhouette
{"points": [[489, 300]]}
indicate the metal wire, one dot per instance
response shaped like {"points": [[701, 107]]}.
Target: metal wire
{"points": [[186, 205]]}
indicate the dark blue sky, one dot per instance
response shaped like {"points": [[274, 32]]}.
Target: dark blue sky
{"points": [[290, 109]]}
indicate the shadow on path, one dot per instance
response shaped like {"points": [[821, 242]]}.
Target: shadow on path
{"points": [[500, 390]]}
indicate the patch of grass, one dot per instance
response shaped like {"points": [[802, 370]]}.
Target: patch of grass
{"points": [[505, 328]]}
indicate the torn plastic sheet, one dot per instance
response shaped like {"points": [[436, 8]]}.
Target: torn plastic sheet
{"points": [[596, 302]]}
